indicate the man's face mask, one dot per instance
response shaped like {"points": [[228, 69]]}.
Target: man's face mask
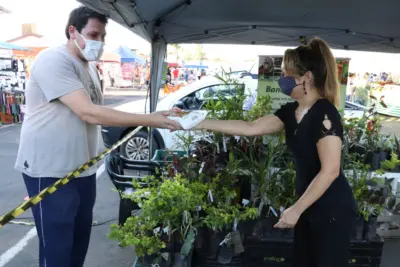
{"points": [[287, 84], [93, 49]]}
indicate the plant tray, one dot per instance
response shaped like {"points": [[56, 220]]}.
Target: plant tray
{"points": [[237, 261], [366, 253], [268, 252]]}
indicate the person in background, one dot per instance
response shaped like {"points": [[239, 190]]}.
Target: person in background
{"points": [[148, 75], [191, 76], [198, 74], [186, 75], [100, 72], [60, 132], [325, 212], [175, 74]]}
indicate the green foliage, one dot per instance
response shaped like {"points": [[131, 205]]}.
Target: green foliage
{"points": [[391, 164], [138, 233], [368, 189]]}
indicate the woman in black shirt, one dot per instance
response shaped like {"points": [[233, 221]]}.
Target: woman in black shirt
{"points": [[324, 214]]}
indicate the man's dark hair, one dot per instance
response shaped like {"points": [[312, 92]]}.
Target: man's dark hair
{"points": [[80, 16]]}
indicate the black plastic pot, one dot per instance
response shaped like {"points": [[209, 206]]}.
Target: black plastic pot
{"points": [[268, 226], [151, 260], [358, 232], [375, 161], [181, 260], [383, 155], [358, 149], [213, 244], [397, 169], [370, 228], [258, 229]]}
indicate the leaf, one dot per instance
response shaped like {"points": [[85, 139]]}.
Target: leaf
{"points": [[373, 97]]}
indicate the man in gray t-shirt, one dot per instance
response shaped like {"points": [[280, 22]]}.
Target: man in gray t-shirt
{"points": [[60, 132]]}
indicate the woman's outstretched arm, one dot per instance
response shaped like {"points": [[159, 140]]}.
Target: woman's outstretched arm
{"points": [[266, 125]]}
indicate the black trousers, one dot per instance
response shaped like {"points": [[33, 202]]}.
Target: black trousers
{"points": [[323, 240]]}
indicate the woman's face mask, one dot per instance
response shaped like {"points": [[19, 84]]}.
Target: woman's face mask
{"points": [[93, 49], [287, 84]]}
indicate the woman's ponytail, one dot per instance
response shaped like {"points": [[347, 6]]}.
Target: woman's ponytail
{"points": [[331, 85]]}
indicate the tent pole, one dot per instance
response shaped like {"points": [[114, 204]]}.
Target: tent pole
{"points": [[158, 52]]}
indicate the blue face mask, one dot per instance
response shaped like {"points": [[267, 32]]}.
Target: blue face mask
{"points": [[287, 84]]}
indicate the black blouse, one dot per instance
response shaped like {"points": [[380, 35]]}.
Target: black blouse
{"points": [[321, 120]]}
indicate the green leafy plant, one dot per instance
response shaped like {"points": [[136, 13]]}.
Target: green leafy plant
{"points": [[391, 164], [138, 233], [371, 191]]}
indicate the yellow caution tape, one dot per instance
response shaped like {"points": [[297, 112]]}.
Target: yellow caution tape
{"points": [[12, 214]]}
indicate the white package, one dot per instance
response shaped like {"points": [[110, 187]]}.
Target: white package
{"points": [[189, 119]]}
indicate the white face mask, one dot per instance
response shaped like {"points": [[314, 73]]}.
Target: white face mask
{"points": [[93, 49]]}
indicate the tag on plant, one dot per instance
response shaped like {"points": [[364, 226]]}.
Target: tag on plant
{"points": [[224, 144], [245, 202], [210, 196], [156, 230], [235, 224], [188, 119], [201, 167], [128, 191]]}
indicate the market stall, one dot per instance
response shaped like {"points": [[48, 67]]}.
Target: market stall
{"points": [[131, 66], [111, 66], [224, 209], [12, 84]]}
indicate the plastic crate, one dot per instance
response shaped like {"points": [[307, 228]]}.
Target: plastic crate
{"points": [[366, 253], [165, 157], [201, 260], [268, 252]]}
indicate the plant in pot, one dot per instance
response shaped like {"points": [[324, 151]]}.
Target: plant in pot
{"points": [[261, 163], [371, 193], [168, 211], [392, 163], [358, 177], [223, 213], [287, 196]]}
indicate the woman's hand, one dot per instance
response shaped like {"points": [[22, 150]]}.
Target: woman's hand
{"points": [[289, 218], [159, 119]]}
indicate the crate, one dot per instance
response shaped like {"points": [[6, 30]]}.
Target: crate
{"points": [[200, 260], [366, 253], [268, 252]]}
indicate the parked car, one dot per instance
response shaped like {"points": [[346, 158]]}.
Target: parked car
{"points": [[191, 97]]}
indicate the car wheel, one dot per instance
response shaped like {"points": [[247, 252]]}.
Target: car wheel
{"points": [[137, 148]]}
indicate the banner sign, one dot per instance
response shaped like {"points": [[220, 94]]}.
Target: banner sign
{"points": [[270, 69]]}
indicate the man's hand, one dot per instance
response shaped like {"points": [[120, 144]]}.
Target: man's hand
{"points": [[159, 119]]}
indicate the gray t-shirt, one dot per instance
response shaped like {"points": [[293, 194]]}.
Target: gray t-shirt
{"points": [[55, 141]]}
